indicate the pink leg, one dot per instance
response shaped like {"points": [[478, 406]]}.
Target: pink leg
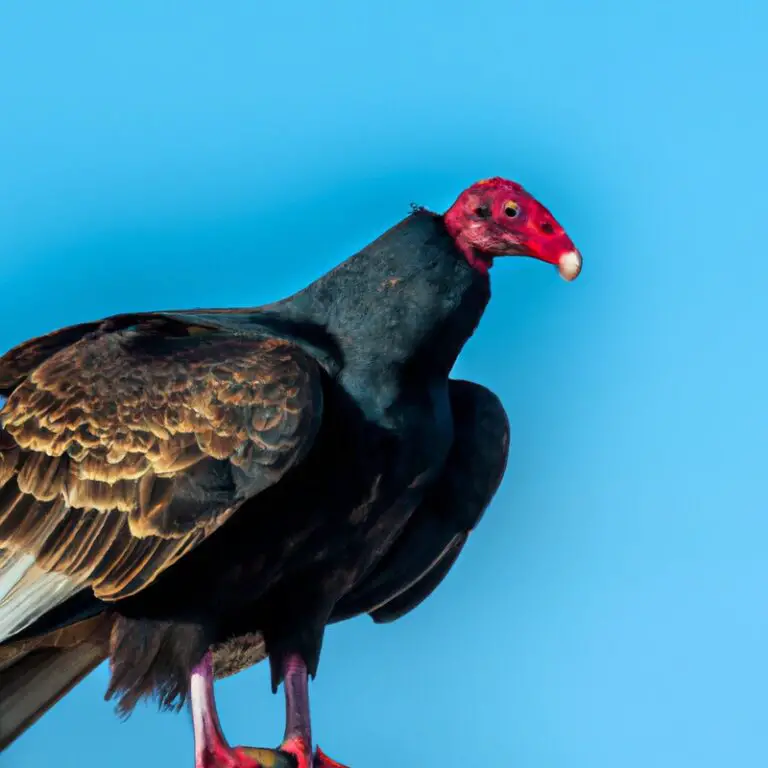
{"points": [[298, 727], [211, 747]]}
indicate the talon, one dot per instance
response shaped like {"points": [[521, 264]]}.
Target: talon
{"points": [[321, 760]]}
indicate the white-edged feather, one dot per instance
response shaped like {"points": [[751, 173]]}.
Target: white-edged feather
{"points": [[27, 592], [12, 570]]}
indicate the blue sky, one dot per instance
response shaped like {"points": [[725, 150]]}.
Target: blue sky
{"points": [[612, 607]]}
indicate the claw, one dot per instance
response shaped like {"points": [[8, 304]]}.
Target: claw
{"points": [[301, 752], [321, 760]]}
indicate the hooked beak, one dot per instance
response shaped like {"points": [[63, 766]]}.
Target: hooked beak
{"points": [[569, 265], [559, 251]]}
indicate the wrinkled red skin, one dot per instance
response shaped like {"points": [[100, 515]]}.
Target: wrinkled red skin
{"points": [[482, 229]]}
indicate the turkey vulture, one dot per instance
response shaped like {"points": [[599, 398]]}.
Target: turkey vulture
{"points": [[187, 493]]}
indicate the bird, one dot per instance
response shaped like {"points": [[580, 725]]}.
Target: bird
{"points": [[187, 493]]}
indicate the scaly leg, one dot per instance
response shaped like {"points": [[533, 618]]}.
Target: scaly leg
{"points": [[298, 728], [211, 747]]}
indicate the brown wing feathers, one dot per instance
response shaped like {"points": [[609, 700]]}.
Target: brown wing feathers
{"points": [[121, 452]]}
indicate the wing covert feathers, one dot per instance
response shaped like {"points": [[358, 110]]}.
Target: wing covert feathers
{"points": [[122, 451]]}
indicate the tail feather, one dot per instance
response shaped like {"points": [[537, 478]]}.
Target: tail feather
{"points": [[32, 684], [35, 674]]}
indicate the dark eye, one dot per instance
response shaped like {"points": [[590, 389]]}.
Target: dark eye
{"points": [[511, 209], [483, 211], [546, 228]]}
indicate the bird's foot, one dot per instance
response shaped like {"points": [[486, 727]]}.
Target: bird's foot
{"points": [[294, 753], [322, 760], [301, 752], [213, 751], [224, 756]]}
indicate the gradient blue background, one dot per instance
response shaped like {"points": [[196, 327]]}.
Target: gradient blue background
{"points": [[612, 608]]}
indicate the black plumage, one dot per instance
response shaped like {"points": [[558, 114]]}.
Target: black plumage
{"points": [[236, 480]]}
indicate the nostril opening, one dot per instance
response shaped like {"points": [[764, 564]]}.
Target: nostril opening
{"points": [[546, 228]]}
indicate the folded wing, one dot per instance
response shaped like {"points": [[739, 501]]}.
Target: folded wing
{"points": [[435, 535], [123, 450]]}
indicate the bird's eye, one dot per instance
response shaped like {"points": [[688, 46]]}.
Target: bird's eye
{"points": [[511, 209], [483, 211]]}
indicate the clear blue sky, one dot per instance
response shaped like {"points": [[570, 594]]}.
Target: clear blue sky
{"points": [[612, 609]]}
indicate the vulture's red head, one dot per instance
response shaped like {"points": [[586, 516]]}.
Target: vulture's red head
{"points": [[496, 217]]}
